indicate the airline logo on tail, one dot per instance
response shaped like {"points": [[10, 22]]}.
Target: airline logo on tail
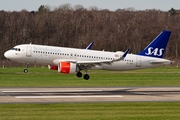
{"points": [[155, 52], [158, 46]]}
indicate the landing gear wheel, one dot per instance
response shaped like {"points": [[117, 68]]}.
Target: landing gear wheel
{"points": [[86, 77], [79, 74], [25, 70]]}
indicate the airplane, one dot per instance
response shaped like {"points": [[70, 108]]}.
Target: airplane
{"points": [[73, 61]]}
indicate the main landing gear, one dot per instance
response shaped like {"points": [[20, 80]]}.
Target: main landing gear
{"points": [[86, 76], [26, 68]]}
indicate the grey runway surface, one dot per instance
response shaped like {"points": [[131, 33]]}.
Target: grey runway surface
{"points": [[89, 94]]}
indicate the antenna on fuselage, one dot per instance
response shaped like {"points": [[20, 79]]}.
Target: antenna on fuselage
{"points": [[30, 43]]}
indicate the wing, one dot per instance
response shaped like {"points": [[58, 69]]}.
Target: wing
{"points": [[92, 63]]}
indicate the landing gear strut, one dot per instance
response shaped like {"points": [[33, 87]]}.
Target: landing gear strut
{"points": [[86, 76], [79, 74], [26, 68]]}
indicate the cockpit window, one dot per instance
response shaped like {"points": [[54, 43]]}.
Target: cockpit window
{"points": [[13, 49], [16, 49]]}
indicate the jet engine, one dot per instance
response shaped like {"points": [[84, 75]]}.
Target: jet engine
{"points": [[67, 68]]}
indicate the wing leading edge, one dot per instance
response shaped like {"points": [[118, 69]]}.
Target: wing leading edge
{"points": [[56, 61]]}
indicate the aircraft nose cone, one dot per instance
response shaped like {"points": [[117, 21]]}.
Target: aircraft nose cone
{"points": [[7, 54]]}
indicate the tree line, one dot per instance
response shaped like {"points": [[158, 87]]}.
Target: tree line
{"points": [[77, 27]]}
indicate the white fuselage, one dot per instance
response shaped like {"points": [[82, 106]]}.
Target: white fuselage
{"points": [[46, 55]]}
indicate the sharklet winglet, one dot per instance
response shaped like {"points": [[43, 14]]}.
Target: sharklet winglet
{"points": [[123, 56]]}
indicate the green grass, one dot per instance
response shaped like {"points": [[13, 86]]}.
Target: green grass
{"points": [[43, 77], [92, 111]]}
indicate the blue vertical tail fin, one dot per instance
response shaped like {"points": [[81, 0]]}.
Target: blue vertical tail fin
{"points": [[158, 46]]}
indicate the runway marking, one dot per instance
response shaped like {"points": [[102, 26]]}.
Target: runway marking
{"points": [[92, 96], [52, 91]]}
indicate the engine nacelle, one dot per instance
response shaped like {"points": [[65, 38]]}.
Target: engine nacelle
{"points": [[51, 67], [67, 67]]}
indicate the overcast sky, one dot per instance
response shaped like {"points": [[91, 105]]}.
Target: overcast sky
{"points": [[30, 5]]}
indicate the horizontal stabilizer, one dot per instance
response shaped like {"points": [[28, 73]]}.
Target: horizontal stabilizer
{"points": [[160, 61]]}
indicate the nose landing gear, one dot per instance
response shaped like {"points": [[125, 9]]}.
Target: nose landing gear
{"points": [[26, 68]]}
